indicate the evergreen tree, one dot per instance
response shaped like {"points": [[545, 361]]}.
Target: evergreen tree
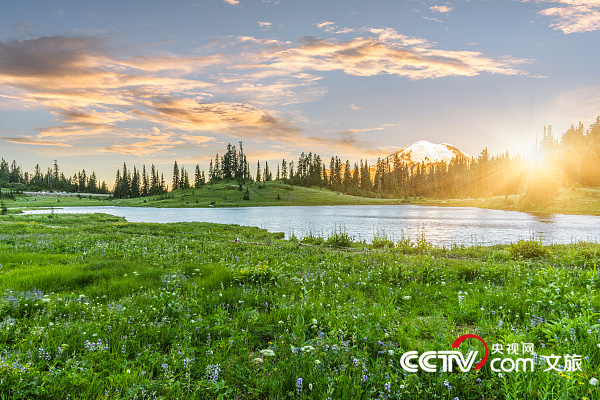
{"points": [[175, 176]]}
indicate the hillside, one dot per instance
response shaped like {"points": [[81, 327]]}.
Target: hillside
{"points": [[217, 195]]}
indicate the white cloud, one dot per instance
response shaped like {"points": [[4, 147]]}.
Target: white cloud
{"points": [[572, 16], [441, 9]]}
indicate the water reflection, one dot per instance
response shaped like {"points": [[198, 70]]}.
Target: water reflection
{"points": [[443, 226]]}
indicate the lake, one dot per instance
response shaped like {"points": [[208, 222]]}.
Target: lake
{"points": [[442, 226]]}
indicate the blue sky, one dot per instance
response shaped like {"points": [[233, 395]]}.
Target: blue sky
{"points": [[94, 84]]}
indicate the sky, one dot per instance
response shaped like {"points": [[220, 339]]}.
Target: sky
{"points": [[95, 84]]}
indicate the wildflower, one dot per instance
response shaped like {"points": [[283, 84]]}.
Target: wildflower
{"points": [[299, 384], [317, 362], [401, 386], [310, 386], [391, 352], [387, 387], [212, 372], [257, 360], [267, 352], [593, 381]]}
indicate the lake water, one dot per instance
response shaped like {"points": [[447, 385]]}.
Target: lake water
{"points": [[441, 226]]}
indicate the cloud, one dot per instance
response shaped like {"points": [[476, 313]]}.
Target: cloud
{"points": [[95, 94], [144, 144], [441, 9], [232, 2], [354, 107], [573, 16], [264, 24], [387, 52], [236, 119], [432, 19], [37, 142], [325, 25], [246, 89]]}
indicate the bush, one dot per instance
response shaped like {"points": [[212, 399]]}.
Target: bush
{"points": [[339, 239], [381, 241], [312, 239], [527, 249]]}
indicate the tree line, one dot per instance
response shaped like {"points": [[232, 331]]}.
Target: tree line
{"points": [[572, 160], [13, 176]]}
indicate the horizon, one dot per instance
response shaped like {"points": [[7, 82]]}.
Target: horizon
{"points": [[94, 88]]}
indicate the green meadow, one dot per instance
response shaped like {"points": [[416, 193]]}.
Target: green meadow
{"points": [[93, 307], [277, 193]]}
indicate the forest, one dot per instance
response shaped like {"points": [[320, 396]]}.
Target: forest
{"points": [[571, 160]]}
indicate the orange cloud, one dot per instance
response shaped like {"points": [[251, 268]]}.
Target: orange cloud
{"points": [[93, 93], [387, 53], [146, 144], [36, 142]]}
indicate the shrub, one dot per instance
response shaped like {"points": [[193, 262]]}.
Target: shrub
{"points": [[339, 239], [381, 241], [527, 249]]}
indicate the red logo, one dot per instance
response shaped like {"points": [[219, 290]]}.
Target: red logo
{"points": [[462, 338]]}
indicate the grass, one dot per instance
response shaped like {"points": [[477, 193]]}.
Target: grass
{"points": [[567, 201], [95, 307], [217, 195]]}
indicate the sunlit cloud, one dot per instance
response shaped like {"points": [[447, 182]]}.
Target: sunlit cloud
{"points": [[36, 142], [236, 119], [232, 2], [145, 144], [386, 53], [326, 25], [573, 16], [264, 24], [441, 9], [248, 89]]}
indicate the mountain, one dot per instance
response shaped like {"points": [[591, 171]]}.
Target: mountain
{"points": [[427, 153]]}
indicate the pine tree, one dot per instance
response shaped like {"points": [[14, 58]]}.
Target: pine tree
{"points": [[284, 171], [175, 176], [145, 182], [125, 182], [197, 177], [258, 171]]}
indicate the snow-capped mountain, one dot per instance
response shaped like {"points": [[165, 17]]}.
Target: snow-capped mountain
{"points": [[427, 153]]}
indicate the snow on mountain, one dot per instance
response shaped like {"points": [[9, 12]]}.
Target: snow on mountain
{"points": [[427, 153]]}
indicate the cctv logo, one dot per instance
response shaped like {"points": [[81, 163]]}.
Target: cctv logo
{"points": [[426, 361]]}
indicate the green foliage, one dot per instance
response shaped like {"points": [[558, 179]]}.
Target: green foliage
{"points": [[123, 310], [339, 239], [260, 274], [381, 240], [313, 239], [527, 249]]}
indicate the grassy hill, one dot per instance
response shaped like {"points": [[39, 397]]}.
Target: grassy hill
{"points": [[567, 201], [273, 193]]}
